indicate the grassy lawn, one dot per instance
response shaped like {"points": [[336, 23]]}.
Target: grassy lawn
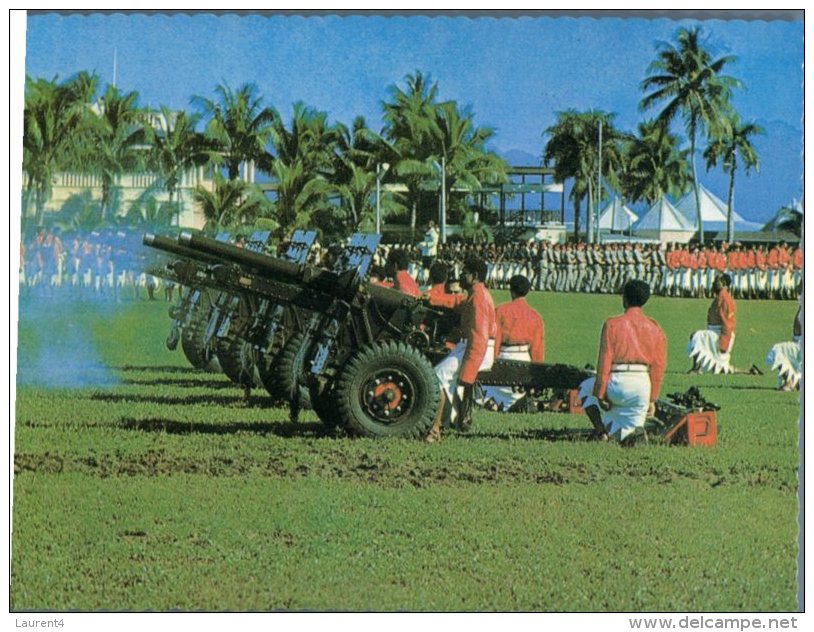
{"points": [[141, 484]]}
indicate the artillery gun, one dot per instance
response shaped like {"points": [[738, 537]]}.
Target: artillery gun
{"points": [[364, 352], [191, 313], [217, 328]]}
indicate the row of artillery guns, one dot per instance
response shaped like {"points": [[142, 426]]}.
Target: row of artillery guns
{"points": [[359, 354]]}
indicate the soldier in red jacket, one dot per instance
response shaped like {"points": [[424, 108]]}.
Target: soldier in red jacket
{"points": [[520, 336], [797, 261], [629, 371], [709, 348], [402, 281], [773, 262], [457, 372], [437, 295]]}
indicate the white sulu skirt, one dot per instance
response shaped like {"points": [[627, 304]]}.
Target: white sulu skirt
{"points": [[504, 396], [448, 369], [787, 359], [629, 395], [703, 350]]}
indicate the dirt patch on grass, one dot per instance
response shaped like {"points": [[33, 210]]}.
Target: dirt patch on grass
{"points": [[376, 469]]}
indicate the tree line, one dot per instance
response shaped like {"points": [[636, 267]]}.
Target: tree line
{"points": [[325, 174]]}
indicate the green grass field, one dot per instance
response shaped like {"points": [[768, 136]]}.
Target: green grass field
{"points": [[141, 484]]}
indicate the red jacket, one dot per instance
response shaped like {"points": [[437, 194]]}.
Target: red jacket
{"points": [[722, 313], [519, 324], [439, 297], [478, 326], [751, 259], [733, 260], [672, 259], [404, 283], [783, 257], [631, 338]]}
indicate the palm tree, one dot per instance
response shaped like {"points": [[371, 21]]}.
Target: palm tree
{"points": [[689, 81], [54, 117], [462, 145], [725, 148], [239, 126], [116, 143], [573, 147], [146, 211], [232, 203], [655, 165], [302, 166], [359, 150], [425, 135], [299, 195], [410, 125], [80, 212], [175, 149]]}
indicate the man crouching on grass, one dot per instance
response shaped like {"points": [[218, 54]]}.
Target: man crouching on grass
{"points": [[629, 370]]}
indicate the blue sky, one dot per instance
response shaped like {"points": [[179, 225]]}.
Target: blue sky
{"points": [[515, 73]]}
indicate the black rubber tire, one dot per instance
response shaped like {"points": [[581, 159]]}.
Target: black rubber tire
{"points": [[324, 405], [279, 375], [414, 384], [233, 356], [192, 341]]}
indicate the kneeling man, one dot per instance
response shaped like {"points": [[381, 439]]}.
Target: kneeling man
{"points": [[457, 371], [520, 336], [710, 348], [629, 369]]}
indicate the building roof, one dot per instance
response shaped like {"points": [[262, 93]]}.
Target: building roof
{"points": [[664, 216], [713, 211], [617, 216]]}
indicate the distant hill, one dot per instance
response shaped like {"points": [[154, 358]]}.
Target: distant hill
{"points": [[759, 195], [519, 157]]}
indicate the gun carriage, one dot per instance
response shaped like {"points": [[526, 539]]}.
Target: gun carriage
{"points": [[363, 352]]}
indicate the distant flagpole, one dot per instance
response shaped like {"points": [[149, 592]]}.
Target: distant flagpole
{"points": [[114, 67]]}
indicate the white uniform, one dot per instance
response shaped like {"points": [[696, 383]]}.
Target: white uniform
{"points": [[629, 394]]}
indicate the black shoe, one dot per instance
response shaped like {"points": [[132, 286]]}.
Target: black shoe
{"points": [[754, 370]]}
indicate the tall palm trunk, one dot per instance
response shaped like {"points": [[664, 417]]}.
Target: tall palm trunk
{"points": [[730, 198], [696, 192], [577, 211], [589, 215], [413, 212]]}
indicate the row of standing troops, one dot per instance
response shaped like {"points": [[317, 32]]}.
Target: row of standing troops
{"points": [[678, 270]]}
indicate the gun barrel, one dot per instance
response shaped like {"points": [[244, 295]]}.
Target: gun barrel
{"points": [[266, 264], [317, 279], [173, 247]]}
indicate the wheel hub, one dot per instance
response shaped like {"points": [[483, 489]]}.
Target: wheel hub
{"points": [[387, 396]]}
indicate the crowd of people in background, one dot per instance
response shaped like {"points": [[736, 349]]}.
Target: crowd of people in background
{"points": [[680, 270], [103, 264], [106, 263]]}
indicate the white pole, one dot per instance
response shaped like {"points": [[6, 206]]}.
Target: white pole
{"points": [[599, 176], [378, 201], [114, 67], [443, 201]]}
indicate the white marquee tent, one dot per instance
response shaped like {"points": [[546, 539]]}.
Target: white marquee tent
{"points": [[713, 212], [664, 222], [617, 216]]}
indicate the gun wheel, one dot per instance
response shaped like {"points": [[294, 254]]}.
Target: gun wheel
{"points": [[387, 390], [235, 357], [324, 405], [192, 344], [280, 375]]}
